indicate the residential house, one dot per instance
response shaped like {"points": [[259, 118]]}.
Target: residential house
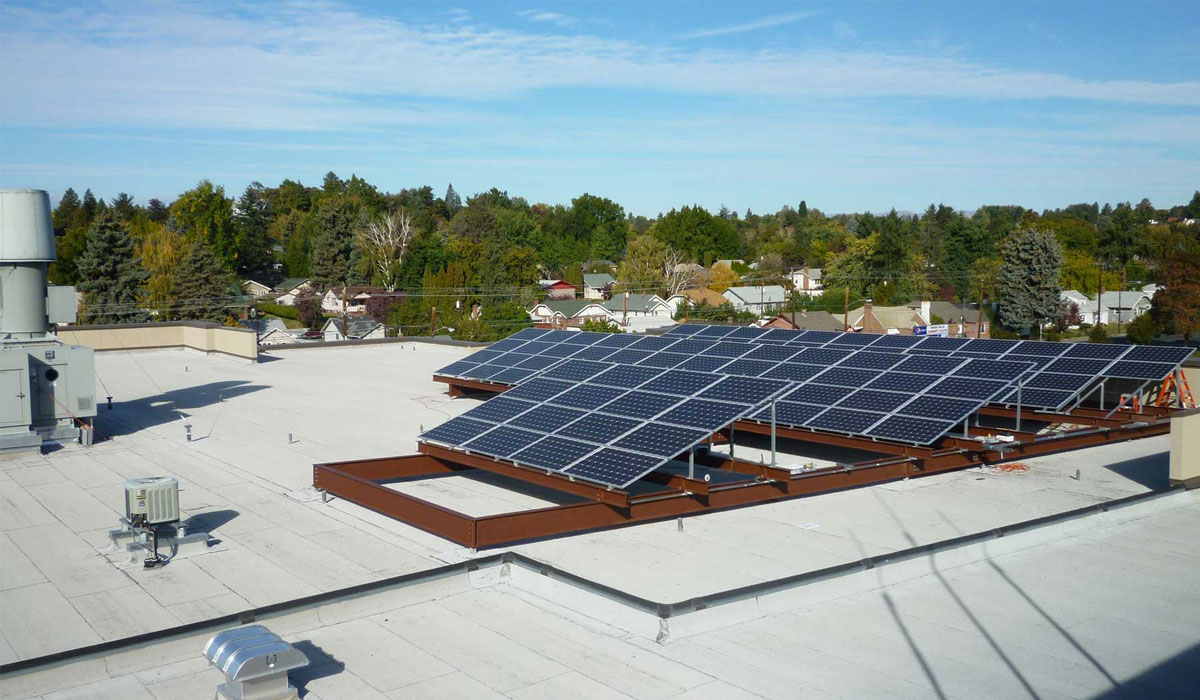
{"points": [[570, 312], [632, 312], [355, 299], [279, 336], [760, 300], [807, 281], [256, 289], [963, 319], [807, 321], [557, 290], [728, 262], [891, 320], [287, 290], [359, 328], [1112, 307], [597, 285]]}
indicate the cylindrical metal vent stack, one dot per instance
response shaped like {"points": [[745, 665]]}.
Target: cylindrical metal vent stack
{"points": [[26, 251]]}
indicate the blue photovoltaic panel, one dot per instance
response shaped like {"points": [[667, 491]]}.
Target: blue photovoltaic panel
{"points": [[871, 400], [680, 383], [546, 419], [683, 329], [963, 387], [819, 394], [856, 339], [557, 336], [994, 369], [1062, 382], [916, 430], [1077, 365], [594, 353], [513, 375], [626, 376], [742, 389], [628, 357], [617, 340], [486, 371], [727, 349], [746, 333], [700, 413], [713, 331], [845, 376], [775, 353], [587, 396], [930, 365], [980, 355], [483, 356], [691, 346], [793, 372], [537, 389], [822, 356], [612, 466], [945, 344], [819, 336], [575, 370], [663, 440], [641, 404], [509, 359], [789, 413], [536, 347], [896, 342], [553, 453], [747, 368], [456, 431], [844, 420], [1158, 353], [1044, 348], [952, 410], [462, 367], [582, 338], [600, 428], [665, 359], [536, 362], [996, 347], [1041, 398], [781, 334], [872, 360], [502, 441], [499, 409], [506, 345], [903, 381], [561, 350], [653, 343], [1109, 352], [529, 333], [705, 363], [1140, 370]]}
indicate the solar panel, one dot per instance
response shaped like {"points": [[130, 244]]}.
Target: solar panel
{"points": [[513, 375], [822, 356], [561, 350], [872, 400], [680, 383], [1077, 365], [482, 356], [537, 389], [844, 376], [587, 396], [1158, 353], [509, 359], [529, 333], [599, 428], [794, 372], [727, 349], [994, 369], [742, 389], [546, 419], [775, 353], [628, 356], [897, 342], [819, 336], [902, 381], [705, 363], [746, 333], [953, 410], [506, 345], [683, 329], [692, 346], [700, 413], [613, 467], [979, 389], [617, 340], [945, 344], [626, 376], [844, 420], [553, 453], [456, 431], [789, 413], [713, 331], [920, 431], [665, 360], [536, 362], [502, 441], [641, 404], [653, 343], [459, 368], [1041, 398], [575, 370], [1140, 370], [593, 353], [819, 394], [872, 360], [856, 339], [989, 345], [1044, 348], [1062, 382], [780, 335], [747, 368], [931, 365], [1110, 352], [658, 439], [536, 347], [582, 338]]}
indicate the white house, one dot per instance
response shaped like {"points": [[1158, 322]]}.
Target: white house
{"points": [[630, 312], [356, 329], [279, 336], [760, 300], [287, 290], [256, 289], [807, 281], [1113, 307], [597, 285]]}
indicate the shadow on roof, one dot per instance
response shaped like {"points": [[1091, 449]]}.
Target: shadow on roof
{"points": [[128, 417]]}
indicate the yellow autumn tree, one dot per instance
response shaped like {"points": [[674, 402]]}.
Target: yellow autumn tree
{"points": [[722, 277], [161, 251]]}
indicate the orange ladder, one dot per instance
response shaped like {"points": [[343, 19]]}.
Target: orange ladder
{"points": [[1180, 385]]}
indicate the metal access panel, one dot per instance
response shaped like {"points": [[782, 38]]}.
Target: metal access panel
{"points": [[14, 391], [61, 304], [62, 382]]}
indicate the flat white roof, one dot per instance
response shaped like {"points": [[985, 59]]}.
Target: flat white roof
{"points": [[242, 478]]}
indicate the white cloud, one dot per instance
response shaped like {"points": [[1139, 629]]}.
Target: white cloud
{"points": [[844, 30], [763, 23], [553, 17]]}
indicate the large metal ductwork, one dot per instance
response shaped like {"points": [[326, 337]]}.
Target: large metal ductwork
{"points": [[47, 389]]}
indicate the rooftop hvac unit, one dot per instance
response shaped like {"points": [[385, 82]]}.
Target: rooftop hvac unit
{"points": [[152, 500]]}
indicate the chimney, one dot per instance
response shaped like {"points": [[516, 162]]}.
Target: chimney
{"points": [[867, 306], [925, 311], [806, 277]]}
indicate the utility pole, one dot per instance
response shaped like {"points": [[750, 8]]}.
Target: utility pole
{"points": [[1119, 293], [344, 335], [625, 309], [1099, 288], [979, 322], [846, 309], [432, 321]]}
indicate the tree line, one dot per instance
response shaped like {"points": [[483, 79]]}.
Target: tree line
{"points": [[184, 259]]}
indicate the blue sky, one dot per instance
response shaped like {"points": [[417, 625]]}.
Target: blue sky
{"points": [[849, 106]]}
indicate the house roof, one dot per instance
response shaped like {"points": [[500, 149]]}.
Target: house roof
{"points": [[767, 294], [290, 283], [888, 316], [635, 302], [814, 320], [598, 279], [1124, 300], [249, 282], [568, 307], [558, 284], [356, 327], [704, 295], [950, 311]]}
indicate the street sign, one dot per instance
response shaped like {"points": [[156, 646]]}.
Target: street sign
{"points": [[937, 329]]}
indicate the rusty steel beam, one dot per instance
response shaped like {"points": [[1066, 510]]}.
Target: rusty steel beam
{"points": [[457, 385], [558, 482]]}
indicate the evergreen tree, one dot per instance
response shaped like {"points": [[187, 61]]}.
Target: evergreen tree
{"points": [[64, 213], [252, 218], [453, 201], [1028, 287], [111, 277], [124, 207], [802, 210], [333, 243], [203, 287], [90, 205], [157, 211]]}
